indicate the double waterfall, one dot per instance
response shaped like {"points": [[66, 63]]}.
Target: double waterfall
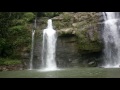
{"points": [[48, 48], [111, 38]]}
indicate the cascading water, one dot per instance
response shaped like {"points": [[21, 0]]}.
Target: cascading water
{"points": [[49, 48], [111, 37], [32, 46]]}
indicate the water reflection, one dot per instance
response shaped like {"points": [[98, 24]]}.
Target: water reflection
{"points": [[64, 73]]}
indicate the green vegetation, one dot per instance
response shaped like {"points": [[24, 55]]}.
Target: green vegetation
{"points": [[48, 14], [8, 61], [16, 27], [14, 32]]}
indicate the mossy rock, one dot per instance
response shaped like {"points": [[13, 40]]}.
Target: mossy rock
{"points": [[90, 47], [88, 41], [81, 24]]}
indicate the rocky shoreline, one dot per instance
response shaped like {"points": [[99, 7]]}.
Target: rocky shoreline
{"points": [[11, 67]]}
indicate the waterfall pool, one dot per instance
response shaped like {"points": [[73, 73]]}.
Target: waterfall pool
{"points": [[64, 73]]}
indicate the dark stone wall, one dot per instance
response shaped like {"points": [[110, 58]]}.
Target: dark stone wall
{"points": [[66, 51]]}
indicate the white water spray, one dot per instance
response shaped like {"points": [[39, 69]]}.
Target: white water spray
{"points": [[49, 48], [111, 37], [32, 46]]}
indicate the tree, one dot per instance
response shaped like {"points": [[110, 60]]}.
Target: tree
{"points": [[14, 32]]}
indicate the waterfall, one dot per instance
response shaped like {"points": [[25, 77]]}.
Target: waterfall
{"points": [[49, 47], [32, 46], [111, 37]]}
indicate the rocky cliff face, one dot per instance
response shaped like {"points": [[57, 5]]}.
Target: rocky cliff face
{"points": [[84, 25], [79, 39]]}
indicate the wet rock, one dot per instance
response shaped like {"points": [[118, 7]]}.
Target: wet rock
{"points": [[66, 31], [11, 67], [78, 34], [92, 62]]}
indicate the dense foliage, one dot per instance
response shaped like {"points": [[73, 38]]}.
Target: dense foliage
{"points": [[8, 61], [47, 14], [14, 32]]}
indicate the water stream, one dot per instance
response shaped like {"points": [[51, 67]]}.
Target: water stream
{"points": [[49, 48], [111, 37]]}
